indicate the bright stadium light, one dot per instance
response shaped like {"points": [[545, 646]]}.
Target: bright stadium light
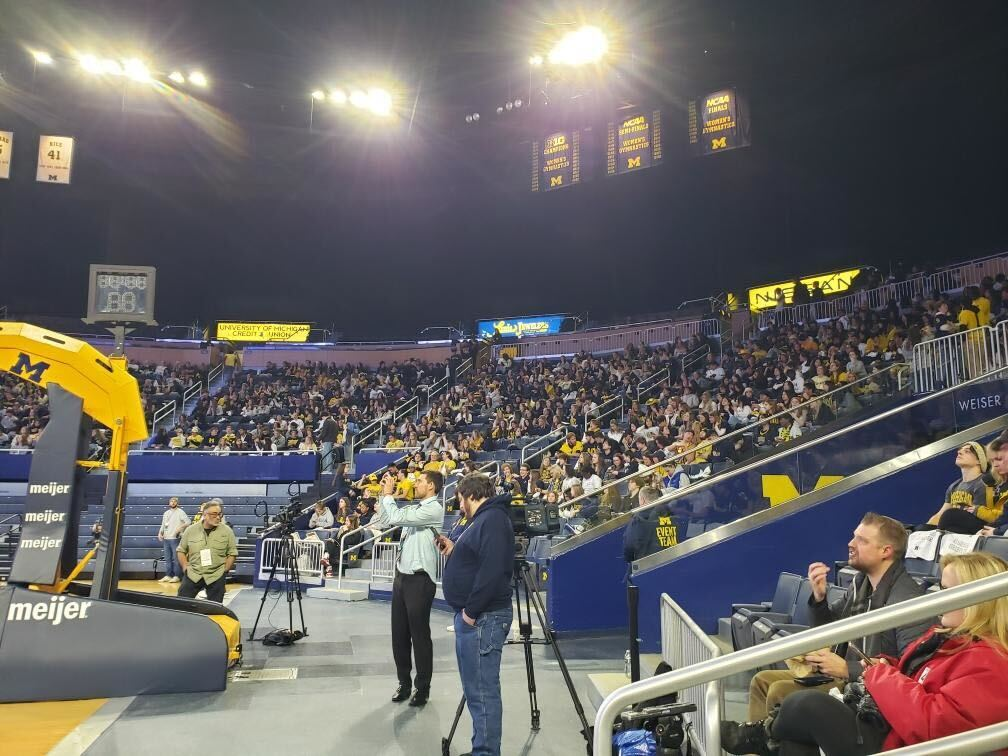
{"points": [[111, 67], [198, 79], [318, 94], [177, 76], [359, 99], [136, 70], [91, 64], [535, 60], [338, 97], [379, 102], [41, 56], [577, 48]]}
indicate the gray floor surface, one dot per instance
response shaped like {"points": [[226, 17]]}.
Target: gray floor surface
{"points": [[339, 703]]}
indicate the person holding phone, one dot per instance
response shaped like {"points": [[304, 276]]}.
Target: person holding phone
{"points": [[413, 587]]}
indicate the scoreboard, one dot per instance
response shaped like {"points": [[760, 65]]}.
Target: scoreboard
{"points": [[718, 122], [634, 140], [121, 294]]}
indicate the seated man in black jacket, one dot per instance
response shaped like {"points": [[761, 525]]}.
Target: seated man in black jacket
{"points": [[876, 551]]}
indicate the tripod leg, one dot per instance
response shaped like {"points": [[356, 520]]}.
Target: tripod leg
{"points": [[446, 742], [266, 590], [525, 630], [587, 729]]}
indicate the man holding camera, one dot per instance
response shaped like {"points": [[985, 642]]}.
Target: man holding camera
{"points": [[413, 588], [477, 584]]}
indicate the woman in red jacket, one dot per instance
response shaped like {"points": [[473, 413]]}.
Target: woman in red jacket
{"points": [[951, 680]]}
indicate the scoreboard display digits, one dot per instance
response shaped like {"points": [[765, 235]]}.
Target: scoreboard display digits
{"points": [[121, 294]]}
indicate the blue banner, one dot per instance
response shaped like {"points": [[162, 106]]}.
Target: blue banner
{"points": [[516, 328]]}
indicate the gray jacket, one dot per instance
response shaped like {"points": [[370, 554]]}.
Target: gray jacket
{"points": [[896, 586]]}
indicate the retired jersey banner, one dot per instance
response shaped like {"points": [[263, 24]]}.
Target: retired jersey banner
{"points": [[263, 332], [55, 159], [6, 145], [718, 122]]}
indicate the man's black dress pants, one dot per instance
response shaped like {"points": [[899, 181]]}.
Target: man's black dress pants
{"points": [[412, 597]]}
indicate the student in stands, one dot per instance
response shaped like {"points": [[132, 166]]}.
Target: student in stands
{"points": [[950, 680], [321, 517], [970, 491], [876, 551], [973, 518]]}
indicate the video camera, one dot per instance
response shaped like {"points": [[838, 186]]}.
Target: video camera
{"points": [[664, 721]]}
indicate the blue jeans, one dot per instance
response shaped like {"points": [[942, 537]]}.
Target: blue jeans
{"points": [[478, 650], [327, 456], [171, 565]]}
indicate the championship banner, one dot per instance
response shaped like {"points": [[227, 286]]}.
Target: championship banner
{"points": [[55, 159], [765, 297], [558, 162], [719, 122], [263, 332], [6, 145], [634, 141], [516, 328]]}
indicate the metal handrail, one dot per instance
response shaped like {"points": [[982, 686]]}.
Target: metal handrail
{"points": [[948, 357], [691, 358], [601, 413], [728, 436], [905, 613], [343, 552], [575, 540], [982, 741], [165, 410], [649, 383], [482, 468], [15, 516], [464, 367], [523, 456]]}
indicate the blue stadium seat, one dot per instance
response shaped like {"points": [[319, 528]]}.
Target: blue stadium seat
{"points": [[767, 623], [743, 615], [996, 545]]}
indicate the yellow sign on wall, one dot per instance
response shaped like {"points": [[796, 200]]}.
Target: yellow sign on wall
{"points": [[764, 297], [263, 332]]}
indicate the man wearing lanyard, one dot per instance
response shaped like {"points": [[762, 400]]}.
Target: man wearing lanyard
{"points": [[413, 588], [207, 551]]}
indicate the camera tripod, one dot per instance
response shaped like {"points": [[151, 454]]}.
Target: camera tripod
{"points": [[291, 578], [525, 591]]}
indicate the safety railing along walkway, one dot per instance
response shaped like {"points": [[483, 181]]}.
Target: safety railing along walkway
{"points": [[951, 278], [704, 672], [954, 359]]}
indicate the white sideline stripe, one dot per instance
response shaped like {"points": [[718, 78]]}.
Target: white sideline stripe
{"points": [[86, 733], [83, 736]]}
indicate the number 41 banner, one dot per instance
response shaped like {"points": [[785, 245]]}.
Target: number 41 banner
{"points": [[55, 159], [6, 143]]}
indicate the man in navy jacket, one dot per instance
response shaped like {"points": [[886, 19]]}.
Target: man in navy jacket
{"points": [[477, 584]]}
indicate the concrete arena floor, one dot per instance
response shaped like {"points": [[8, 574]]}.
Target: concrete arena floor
{"points": [[339, 703]]}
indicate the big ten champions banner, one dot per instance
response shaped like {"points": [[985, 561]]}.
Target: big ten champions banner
{"points": [[634, 140], [556, 161], [719, 122]]}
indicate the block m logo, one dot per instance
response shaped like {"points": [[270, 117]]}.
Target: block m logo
{"points": [[633, 162], [26, 369], [556, 180], [719, 144]]}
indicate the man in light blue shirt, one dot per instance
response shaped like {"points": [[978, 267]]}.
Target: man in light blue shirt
{"points": [[413, 588]]}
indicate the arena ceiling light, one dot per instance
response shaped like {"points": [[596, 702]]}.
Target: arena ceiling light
{"points": [[379, 102], [577, 48], [198, 79], [42, 57], [535, 60], [318, 95], [91, 64], [136, 70], [338, 97], [177, 76]]}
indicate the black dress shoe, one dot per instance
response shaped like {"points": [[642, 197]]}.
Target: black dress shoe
{"points": [[419, 697], [744, 737], [401, 693]]}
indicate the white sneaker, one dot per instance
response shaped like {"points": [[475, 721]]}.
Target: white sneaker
{"points": [[451, 628], [165, 579], [175, 580]]}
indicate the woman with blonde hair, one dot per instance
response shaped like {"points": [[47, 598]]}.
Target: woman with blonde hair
{"points": [[950, 680]]}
